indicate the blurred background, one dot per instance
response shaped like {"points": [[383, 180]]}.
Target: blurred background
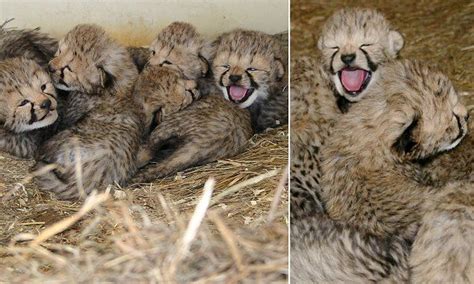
{"points": [[138, 22]]}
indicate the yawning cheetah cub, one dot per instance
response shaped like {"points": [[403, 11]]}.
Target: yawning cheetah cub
{"points": [[354, 43], [371, 178], [101, 147], [250, 69], [27, 106]]}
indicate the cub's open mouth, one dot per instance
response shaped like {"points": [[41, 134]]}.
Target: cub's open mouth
{"points": [[238, 94], [354, 80]]}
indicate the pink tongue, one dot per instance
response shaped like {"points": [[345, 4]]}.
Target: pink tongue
{"points": [[237, 93], [353, 79]]}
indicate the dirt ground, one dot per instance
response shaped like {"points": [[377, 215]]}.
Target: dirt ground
{"points": [[439, 32]]}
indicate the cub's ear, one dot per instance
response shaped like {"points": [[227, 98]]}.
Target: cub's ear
{"points": [[280, 69], [395, 42], [209, 49], [205, 66], [406, 142], [107, 80], [320, 43]]}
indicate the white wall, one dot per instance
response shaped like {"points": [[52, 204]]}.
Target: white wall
{"points": [[137, 22]]}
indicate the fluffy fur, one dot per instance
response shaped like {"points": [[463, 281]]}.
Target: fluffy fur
{"points": [[356, 39], [372, 178], [457, 164], [443, 251], [317, 101], [29, 43], [324, 251], [319, 245], [140, 56], [107, 129], [207, 130], [162, 92], [313, 112], [28, 106], [250, 69], [179, 46]]}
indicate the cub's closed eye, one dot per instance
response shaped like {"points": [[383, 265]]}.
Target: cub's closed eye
{"points": [[153, 52], [251, 69], [227, 66], [43, 87], [334, 47], [365, 44], [166, 62], [24, 102]]}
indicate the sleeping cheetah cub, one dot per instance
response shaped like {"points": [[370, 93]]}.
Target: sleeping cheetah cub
{"points": [[29, 43], [169, 81], [371, 176], [249, 67], [27, 106], [354, 43], [102, 145], [92, 67], [209, 129], [179, 46], [162, 92]]}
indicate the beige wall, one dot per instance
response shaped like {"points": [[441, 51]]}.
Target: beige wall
{"points": [[137, 22]]}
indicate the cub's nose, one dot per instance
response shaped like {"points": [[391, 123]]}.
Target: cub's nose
{"points": [[46, 104], [235, 78], [348, 58], [51, 69]]}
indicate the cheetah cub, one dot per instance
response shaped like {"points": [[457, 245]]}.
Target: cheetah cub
{"points": [[320, 91], [371, 175], [354, 43], [162, 92], [29, 43], [179, 46], [210, 128], [101, 147], [168, 83], [91, 67], [249, 67], [443, 251], [28, 106]]}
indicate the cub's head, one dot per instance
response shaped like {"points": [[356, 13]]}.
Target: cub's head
{"points": [[353, 44], [89, 61], [413, 110], [27, 96], [179, 47], [162, 91], [247, 65]]}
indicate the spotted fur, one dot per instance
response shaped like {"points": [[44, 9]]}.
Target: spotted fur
{"points": [[371, 176], [28, 106], [29, 43], [364, 34], [207, 130], [107, 128], [255, 62]]}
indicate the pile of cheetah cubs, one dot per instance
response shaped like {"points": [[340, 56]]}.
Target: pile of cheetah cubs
{"points": [[381, 169], [94, 113]]}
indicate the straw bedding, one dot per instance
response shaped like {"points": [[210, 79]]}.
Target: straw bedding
{"points": [[146, 232]]}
